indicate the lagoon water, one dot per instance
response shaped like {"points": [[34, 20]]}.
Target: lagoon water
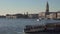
{"points": [[16, 26]]}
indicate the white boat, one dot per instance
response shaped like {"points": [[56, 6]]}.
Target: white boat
{"points": [[39, 19]]}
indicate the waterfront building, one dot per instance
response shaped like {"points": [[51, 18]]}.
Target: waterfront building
{"points": [[32, 15], [25, 15], [58, 15], [41, 15], [50, 15]]}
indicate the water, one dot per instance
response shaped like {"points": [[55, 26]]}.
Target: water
{"points": [[16, 26]]}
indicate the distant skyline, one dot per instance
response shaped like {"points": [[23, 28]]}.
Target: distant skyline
{"points": [[30, 6]]}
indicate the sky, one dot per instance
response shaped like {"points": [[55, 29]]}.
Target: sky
{"points": [[30, 6]]}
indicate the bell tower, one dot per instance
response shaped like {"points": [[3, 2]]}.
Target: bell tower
{"points": [[47, 9]]}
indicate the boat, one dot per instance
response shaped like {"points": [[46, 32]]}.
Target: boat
{"points": [[52, 27], [49, 27], [33, 29], [39, 19]]}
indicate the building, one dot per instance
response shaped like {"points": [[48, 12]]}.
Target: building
{"points": [[58, 15], [25, 15], [50, 15], [33, 16], [41, 15]]}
